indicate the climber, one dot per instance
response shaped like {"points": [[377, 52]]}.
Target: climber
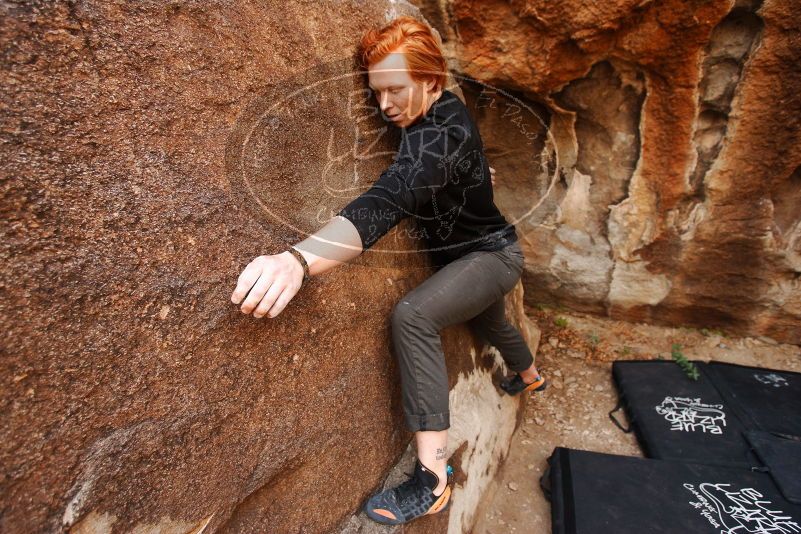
{"points": [[441, 178]]}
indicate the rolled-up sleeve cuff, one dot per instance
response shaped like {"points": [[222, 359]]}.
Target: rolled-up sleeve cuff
{"points": [[361, 223]]}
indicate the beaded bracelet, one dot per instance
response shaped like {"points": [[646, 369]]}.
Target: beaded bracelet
{"points": [[295, 252]]}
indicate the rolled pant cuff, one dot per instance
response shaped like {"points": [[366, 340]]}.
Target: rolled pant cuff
{"points": [[523, 368], [432, 421]]}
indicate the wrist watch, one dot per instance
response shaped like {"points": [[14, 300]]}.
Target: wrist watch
{"points": [[295, 252]]}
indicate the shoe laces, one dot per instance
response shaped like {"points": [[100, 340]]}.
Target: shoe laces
{"points": [[409, 488]]}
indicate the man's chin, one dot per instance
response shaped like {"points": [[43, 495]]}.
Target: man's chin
{"points": [[405, 122]]}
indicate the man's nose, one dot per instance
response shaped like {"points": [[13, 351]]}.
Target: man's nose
{"points": [[384, 102]]}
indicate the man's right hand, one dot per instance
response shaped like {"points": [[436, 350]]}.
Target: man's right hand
{"points": [[269, 282]]}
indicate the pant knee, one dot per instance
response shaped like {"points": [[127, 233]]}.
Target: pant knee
{"points": [[405, 316]]}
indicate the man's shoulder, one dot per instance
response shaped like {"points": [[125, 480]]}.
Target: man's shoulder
{"points": [[448, 118], [449, 109]]}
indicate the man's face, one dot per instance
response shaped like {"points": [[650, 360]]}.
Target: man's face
{"points": [[402, 99]]}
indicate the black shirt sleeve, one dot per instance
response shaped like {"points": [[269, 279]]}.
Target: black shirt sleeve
{"points": [[422, 167]]}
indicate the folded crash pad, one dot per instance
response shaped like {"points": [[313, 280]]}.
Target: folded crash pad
{"points": [[765, 399], [677, 418]]}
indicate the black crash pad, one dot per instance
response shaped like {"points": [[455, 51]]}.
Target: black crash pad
{"points": [[765, 399], [676, 418], [593, 493]]}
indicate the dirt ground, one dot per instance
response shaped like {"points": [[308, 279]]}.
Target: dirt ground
{"points": [[576, 354]]}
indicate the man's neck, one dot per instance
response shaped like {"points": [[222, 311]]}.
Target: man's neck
{"points": [[429, 101]]}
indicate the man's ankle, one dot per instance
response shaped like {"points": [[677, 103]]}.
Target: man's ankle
{"points": [[529, 375], [443, 483]]}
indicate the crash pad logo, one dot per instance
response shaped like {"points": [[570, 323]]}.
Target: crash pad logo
{"points": [[772, 379], [739, 511], [691, 415]]}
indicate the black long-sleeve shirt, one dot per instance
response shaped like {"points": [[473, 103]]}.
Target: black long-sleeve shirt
{"points": [[441, 178]]}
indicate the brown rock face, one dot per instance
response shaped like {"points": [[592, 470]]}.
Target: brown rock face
{"points": [[666, 180], [148, 154]]}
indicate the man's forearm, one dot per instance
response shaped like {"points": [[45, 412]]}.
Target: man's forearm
{"points": [[332, 245]]}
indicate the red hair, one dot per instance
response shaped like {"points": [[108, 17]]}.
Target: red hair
{"points": [[420, 45]]}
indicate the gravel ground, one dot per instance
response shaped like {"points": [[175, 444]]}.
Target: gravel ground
{"points": [[575, 355]]}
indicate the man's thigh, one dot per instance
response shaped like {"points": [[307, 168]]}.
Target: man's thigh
{"points": [[463, 288]]}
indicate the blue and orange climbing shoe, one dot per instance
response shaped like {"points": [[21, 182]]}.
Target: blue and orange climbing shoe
{"points": [[411, 499], [516, 385]]}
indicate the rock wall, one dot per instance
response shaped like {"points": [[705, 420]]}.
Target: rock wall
{"points": [[149, 151], [665, 182]]}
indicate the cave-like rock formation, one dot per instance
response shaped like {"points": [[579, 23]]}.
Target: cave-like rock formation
{"points": [[663, 183]]}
